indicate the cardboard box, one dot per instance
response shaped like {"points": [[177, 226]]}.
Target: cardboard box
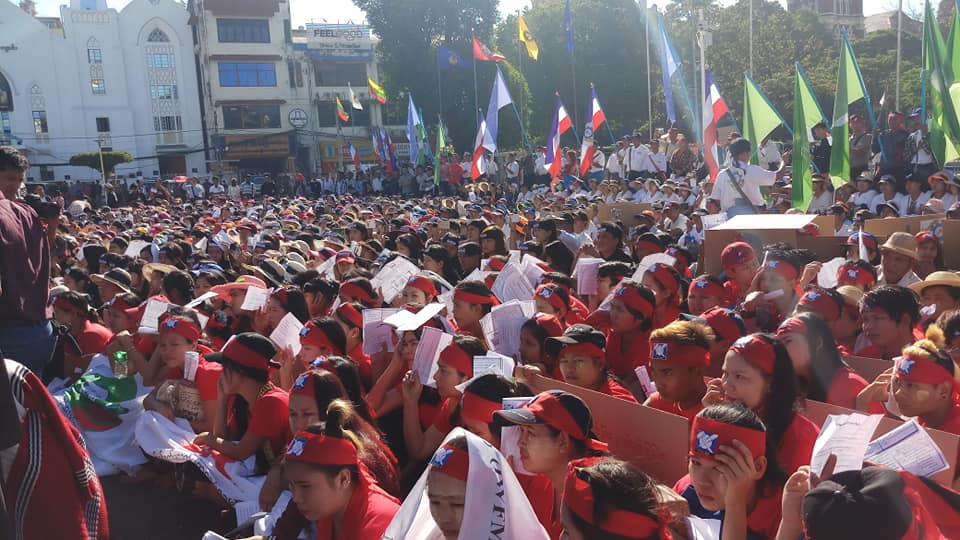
{"points": [[868, 368], [769, 228], [888, 226], [950, 236], [949, 443], [627, 212], [655, 441]]}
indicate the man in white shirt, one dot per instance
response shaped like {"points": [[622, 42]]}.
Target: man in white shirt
{"points": [[748, 179], [512, 169], [637, 162], [822, 196], [614, 166], [656, 161], [865, 193], [490, 166], [216, 188], [918, 147], [597, 165]]}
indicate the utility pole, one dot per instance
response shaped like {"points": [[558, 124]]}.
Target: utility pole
{"points": [[646, 35], [704, 39], [103, 171], [751, 37], [896, 98]]}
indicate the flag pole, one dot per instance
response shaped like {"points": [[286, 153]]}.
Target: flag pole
{"points": [[520, 65], [439, 89], [476, 102], [573, 72], [646, 35], [896, 98]]}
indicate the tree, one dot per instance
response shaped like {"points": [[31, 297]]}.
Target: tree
{"points": [[92, 159]]}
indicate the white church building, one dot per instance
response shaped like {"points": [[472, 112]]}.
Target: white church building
{"points": [[98, 77]]}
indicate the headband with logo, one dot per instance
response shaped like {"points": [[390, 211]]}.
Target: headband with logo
{"points": [[679, 355], [318, 449], [578, 496], [630, 296], [707, 436], [451, 461], [757, 351]]}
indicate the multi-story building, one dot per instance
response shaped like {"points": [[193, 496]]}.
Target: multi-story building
{"points": [[255, 88], [97, 77], [845, 14], [887, 20]]}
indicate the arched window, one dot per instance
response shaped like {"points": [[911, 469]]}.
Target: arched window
{"points": [[158, 36], [6, 95]]}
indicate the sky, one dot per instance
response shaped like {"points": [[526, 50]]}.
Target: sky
{"points": [[305, 11]]}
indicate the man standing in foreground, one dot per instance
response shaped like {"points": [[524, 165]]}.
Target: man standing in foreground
{"points": [[26, 333], [737, 188]]}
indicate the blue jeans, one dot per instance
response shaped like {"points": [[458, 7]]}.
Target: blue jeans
{"points": [[740, 210], [32, 345]]}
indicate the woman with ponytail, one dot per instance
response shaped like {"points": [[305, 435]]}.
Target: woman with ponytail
{"points": [[330, 483]]}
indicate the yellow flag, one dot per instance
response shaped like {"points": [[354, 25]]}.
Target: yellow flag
{"points": [[527, 38]]}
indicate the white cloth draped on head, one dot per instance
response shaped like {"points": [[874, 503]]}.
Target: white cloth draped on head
{"points": [[495, 507]]}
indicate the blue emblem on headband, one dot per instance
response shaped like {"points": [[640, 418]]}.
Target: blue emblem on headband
{"points": [[707, 442], [659, 351], [301, 381], [701, 284], [170, 323], [297, 447], [905, 366], [621, 291], [304, 331], [441, 456]]}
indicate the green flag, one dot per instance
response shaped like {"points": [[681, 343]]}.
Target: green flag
{"points": [[944, 91], [759, 116], [441, 143], [953, 43], [850, 88], [806, 114]]}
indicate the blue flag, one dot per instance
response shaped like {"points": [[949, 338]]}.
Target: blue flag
{"points": [[449, 59], [670, 63], [413, 120], [568, 26]]}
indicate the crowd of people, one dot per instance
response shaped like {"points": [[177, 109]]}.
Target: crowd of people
{"points": [[155, 331]]}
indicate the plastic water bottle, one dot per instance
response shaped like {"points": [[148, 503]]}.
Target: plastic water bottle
{"points": [[120, 368]]}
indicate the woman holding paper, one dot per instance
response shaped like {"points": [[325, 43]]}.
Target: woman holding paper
{"points": [[318, 338], [733, 473], [758, 373], [420, 289], [665, 282], [179, 336]]}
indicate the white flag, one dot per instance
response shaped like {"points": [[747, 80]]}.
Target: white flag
{"points": [[354, 100]]}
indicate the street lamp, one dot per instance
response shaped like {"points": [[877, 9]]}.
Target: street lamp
{"points": [[101, 140]]}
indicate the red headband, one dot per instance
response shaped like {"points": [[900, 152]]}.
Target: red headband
{"points": [[550, 324], [350, 314], [757, 351], [664, 277], [457, 358], [317, 449], [926, 236], [352, 290], [464, 296], [476, 408], [63, 304], [303, 385], [311, 334], [451, 461], [708, 288], [793, 325], [578, 496], [182, 326], [854, 275], [707, 436], [586, 349], [783, 268], [822, 304], [630, 296], [551, 296], [423, 283], [921, 370], [680, 355]]}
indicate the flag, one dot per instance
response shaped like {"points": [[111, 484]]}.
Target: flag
{"points": [[850, 88], [377, 91], [527, 39], [883, 99], [759, 116], [341, 112], [482, 52], [953, 43], [597, 118], [568, 26], [354, 100], [391, 152], [670, 62], [478, 167], [375, 141], [441, 144], [586, 149], [806, 114], [499, 98], [413, 121], [449, 59], [354, 155], [714, 108], [558, 126], [944, 91]]}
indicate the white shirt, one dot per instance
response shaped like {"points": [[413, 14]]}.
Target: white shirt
{"points": [[637, 158], [216, 189], [769, 154], [680, 223], [948, 200], [923, 157], [540, 166], [880, 199], [906, 201], [751, 176], [865, 198], [821, 202], [513, 170], [613, 163], [908, 279], [656, 162], [599, 160]]}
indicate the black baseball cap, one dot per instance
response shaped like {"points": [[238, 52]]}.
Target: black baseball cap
{"points": [[575, 335], [470, 249], [868, 503]]}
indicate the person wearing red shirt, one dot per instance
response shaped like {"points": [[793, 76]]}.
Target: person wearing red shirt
{"points": [[72, 310], [350, 319], [471, 301], [821, 374], [704, 293], [733, 477], [679, 356], [757, 372], [665, 282], [889, 315], [332, 486], [740, 264], [247, 360], [727, 328], [556, 429], [533, 336], [631, 319], [553, 299], [580, 355]]}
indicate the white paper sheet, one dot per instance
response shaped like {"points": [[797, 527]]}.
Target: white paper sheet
{"points": [[200, 246], [287, 333], [255, 299], [704, 529], [646, 382], [377, 335], [586, 274], [151, 315], [404, 320], [432, 342], [511, 285], [493, 363], [501, 327], [191, 361], [201, 299], [531, 269], [845, 436], [649, 261], [135, 247], [392, 278], [712, 220], [908, 448], [510, 435], [827, 278]]}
